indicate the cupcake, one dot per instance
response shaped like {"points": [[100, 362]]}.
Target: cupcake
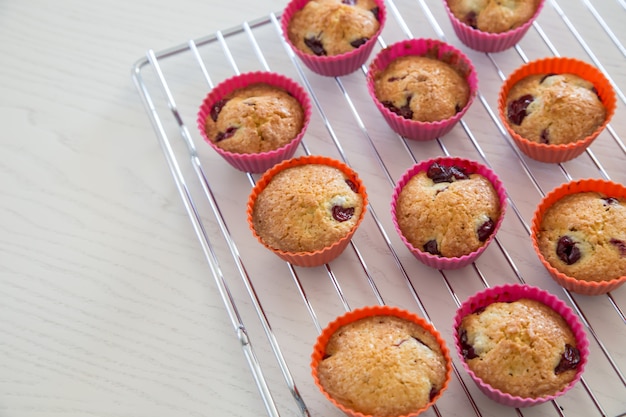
{"points": [[333, 37], [447, 210], [579, 234], [381, 361], [490, 25], [422, 87], [307, 209], [554, 108], [521, 345], [255, 120]]}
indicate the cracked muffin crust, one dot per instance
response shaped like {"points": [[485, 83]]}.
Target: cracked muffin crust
{"points": [[256, 118], [383, 365], [333, 27], [554, 108], [306, 208], [583, 235], [523, 348], [446, 211], [493, 16], [421, 88]]}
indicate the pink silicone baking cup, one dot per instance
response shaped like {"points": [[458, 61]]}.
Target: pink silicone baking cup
{"points": [[556, 65], [322, 256], [514, 292], [489, 42], [471, 167], [333, 65], [413, 129], [255, 162], [319, 349], [610, 189]]}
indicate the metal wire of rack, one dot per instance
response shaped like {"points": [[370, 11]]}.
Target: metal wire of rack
{"points": [[277, 310]]}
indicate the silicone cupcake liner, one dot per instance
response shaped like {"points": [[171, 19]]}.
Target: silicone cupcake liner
{"points": [[413, 129], [471, 167], [319, 349], [608, 188], [255, 162], [333, 65], [322, 256], [489, 42], [558, 153]]}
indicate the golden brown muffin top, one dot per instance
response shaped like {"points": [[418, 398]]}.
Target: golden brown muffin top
{"points": [[306, 208], [583, 235], [495, 16], [554, 108], [383, 365], [421, 88], [333, 27], [524, 348], [256, 118], [449, 217]]}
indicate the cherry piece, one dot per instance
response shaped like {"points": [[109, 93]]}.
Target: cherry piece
{"points": [[441, 173], [516, 110], [620, 244], [315, 45], [546, 76], [471, 19], [567, 250], [569, 359], [225, 135], [433, 393], [404, 111], [431, 247], [342, 214], [352, 185], [545, 136], [349, 2], [217, 108], [466, 349], [358, 42], [609, 201], [485, 230], [376, 12]]}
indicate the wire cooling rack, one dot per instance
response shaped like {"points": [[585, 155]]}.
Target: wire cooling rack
{"points": [[277, 310]]}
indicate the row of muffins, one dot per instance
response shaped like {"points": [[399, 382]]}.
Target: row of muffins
{"points": [[521, 345]]}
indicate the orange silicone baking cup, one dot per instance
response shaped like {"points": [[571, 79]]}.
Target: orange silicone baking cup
{"points": [[319, 349], [556, 65], [609, 188], [327, 254]]}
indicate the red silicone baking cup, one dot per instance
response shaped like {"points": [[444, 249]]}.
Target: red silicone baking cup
{"points": [[514, 292], [333, 65], [555, 65], [322, 256], [611, 189], [319, 349], [255, 162], [471, 167], [486, 41], [413, 129]]}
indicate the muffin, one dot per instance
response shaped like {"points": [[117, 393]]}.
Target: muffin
{"points": [[306, 209], [447, 210], [333, 37], [422, 87], [579, 234], [381, 361], [255, 120], [554, 108], [520, 344], [490, 25], [494, 16]]}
